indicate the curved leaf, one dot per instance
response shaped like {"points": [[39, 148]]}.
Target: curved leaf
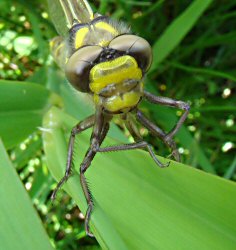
{"points": [[22, 106], [21, 227], [140, 206]]}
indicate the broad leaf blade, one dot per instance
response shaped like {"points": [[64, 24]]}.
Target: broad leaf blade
{"points": [[148, 207], [21, 227], [22, 106]]}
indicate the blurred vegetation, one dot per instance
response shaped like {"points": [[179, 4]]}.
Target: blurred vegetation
{"points": [[201, 69]]}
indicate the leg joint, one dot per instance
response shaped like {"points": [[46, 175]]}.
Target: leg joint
{"points": [[82, 169], [74, 131], [139, 114], [95, 145], [183, 105]]}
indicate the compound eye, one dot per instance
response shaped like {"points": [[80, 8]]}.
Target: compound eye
{"points": [[79, 65], [136, 47]]}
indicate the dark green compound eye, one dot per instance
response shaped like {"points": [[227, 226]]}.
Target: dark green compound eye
{"points": [[79, 65], [136, 47]]}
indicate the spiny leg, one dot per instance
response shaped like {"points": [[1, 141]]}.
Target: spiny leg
{"points": [[100, 130], [83, 125], [156, 131], [135, 145], [129, 123], [168, 138], [83, 167], [171, 103]]}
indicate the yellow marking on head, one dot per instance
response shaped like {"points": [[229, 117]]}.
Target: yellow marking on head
{"points": [[80, 36], [114, 72], [107, 27]]}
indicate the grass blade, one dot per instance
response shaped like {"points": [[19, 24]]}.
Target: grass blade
{"points": [[21, 227], [231, 170], [177, 30]]}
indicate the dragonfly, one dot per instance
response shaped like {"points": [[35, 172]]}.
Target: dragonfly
{"points": [[102, 58]]}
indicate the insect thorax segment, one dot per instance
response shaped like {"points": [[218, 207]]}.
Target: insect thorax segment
{"points": [[100, 31]]}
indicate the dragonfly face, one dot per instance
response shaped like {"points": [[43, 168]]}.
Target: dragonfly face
{"points": [[102, 58], [108, 63]]}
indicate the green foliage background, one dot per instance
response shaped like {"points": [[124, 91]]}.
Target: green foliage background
{"points": [[194, 59]]}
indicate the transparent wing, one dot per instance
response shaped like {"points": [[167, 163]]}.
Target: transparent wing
{"points": [[64, 13]]}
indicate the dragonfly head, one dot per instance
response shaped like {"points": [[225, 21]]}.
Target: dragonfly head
{"points": [[113, 74]]}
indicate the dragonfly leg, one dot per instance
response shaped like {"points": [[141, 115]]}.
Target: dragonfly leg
{"points": [[156, 131], [167, 138], [99, 133], [171, 103], [83, 125], [135, 145], [132, 128], [83, 167], [130, 125]]}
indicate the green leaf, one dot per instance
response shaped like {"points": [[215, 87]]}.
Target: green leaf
{"points": [[140, 206], [177, 30], [21, 227], [22, 106]]}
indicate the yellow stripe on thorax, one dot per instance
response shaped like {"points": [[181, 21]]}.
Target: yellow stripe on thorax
{"points": [[107, 27], [114, 72], [80, 36]]}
